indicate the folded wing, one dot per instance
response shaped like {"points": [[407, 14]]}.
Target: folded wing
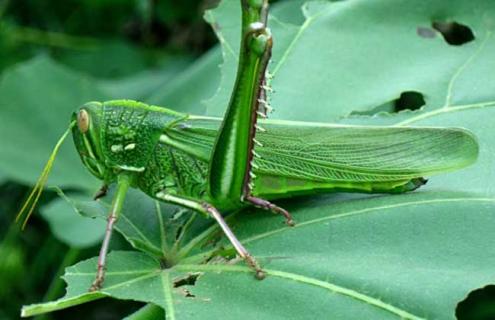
{"points": [[314, 152]]}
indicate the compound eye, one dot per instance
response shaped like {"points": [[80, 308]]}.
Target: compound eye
{"points": [[83, 121]]}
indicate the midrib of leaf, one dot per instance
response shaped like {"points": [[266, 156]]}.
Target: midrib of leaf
{"points": [[32, 310], [307, 281], [196, 241], [145, 240], [447, 108], [459, 70], [158, 212], [167, 295], [185, 228], [154, 273], [140, 234], [167, 288], [111, 273], [200, 256], [63, 303]]}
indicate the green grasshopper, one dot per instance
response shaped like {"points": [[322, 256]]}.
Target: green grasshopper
{"points": [[214, 165]]}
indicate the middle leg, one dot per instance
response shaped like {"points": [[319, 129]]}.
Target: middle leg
{"points": [[211, 211]]}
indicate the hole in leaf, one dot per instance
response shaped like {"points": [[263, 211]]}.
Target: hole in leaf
{"points": [[187, 293], [409, 100], [189, 280], [454, 33], [478, 305]]}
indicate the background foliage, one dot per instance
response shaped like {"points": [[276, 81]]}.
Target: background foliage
{"points": [[412, 256]]}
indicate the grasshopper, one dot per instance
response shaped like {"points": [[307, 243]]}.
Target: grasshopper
{"points": [[214, 165]]}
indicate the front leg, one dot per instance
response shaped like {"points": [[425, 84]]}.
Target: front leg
{"points": [[211, 211], [123, 183]]}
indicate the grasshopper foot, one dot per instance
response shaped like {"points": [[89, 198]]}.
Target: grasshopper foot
{"points": [[101, 193], [100, 277], [267, 205], [241, 251], [260, 274], [96, 285]]}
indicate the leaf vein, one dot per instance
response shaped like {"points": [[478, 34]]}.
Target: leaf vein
{"points": [[167, 294], [459, 71], [309, 281]]}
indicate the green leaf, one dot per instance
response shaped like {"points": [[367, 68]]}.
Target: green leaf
{"points": [[191, 87], [71, 228], [37, 100], [346, 61], [370, 259], [150, 311], [143, 84], [110, 59]]}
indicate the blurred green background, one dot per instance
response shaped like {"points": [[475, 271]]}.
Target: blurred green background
{"points": [[138, 49]]}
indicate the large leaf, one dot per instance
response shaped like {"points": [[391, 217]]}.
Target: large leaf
{"points": [[407, 256], [71, 228], [371, 259], [194, 85], [36, 103], [355, 55]]}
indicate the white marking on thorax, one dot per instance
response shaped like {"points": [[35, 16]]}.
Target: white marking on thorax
{"points": [[117, 148], [130, 168], [130, 146]]}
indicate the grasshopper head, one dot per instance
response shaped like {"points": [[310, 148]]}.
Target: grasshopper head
{"points": [[86, 136]]}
